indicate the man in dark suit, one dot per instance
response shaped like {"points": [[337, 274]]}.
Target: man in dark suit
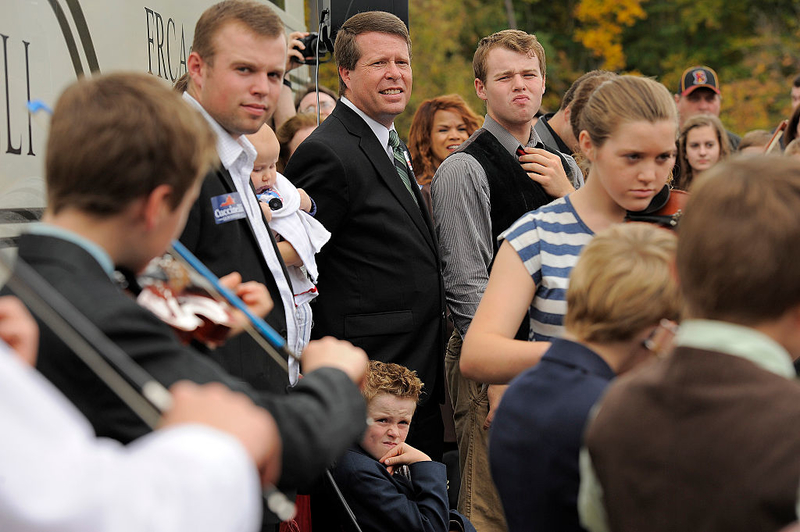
{"points": [[379, 281], [236, 70], [116, 198]]}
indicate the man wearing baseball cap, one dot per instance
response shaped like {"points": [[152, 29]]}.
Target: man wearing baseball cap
{"points": [[698, 93]]}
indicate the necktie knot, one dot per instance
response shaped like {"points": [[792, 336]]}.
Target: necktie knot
{"points": [[394, 140]]}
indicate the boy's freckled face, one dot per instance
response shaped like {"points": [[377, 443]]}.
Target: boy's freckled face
{"points": [[265, 171]]}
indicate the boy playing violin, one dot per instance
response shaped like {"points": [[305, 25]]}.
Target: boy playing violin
{"points": [[125, 160]]}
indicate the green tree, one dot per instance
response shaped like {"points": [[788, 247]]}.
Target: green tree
{"points": [[754, 45]]}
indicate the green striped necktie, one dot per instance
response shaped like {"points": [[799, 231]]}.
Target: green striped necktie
{"points": [[400, 162]]}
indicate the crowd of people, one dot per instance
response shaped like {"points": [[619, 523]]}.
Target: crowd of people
{"points": [[495, 264]]}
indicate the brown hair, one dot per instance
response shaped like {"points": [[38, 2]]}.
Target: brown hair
{"points": [[345, 48], [793, 148], [737, 248], [392, 379], [684, 180], [570, 94], [182, 83], [288, 130], [419, 134], [115, 138], [755, 138], [791, 128], [256, 16], [590, 82], [514, 40], [622, 284]]}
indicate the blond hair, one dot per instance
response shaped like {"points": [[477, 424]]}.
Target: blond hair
{"points": [[392, 379], [514, 40], [622, 284], [115, 138]]}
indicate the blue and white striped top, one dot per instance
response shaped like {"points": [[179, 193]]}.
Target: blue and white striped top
{"points": [[549, 240]]}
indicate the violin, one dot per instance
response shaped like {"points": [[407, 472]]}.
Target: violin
{"points": [[665, 209], [144, 395], [169, 290], [205, 301]]}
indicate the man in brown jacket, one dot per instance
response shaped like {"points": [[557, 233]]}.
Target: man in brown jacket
{"points": [[706, 439]]}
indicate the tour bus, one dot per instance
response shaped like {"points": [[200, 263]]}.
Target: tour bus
{"points": [[47, 44]]}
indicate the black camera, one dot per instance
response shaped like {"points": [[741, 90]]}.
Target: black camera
{"points": [[311, 41]]}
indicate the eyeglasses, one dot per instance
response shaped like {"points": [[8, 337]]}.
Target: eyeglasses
{"points": [[660, 340], [324, 105]]}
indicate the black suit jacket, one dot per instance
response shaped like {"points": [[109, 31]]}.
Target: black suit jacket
{"points": [[383, 502], [228, 247], [380, 284], [321, 417]]}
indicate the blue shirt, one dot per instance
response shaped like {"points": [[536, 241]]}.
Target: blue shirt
{"points": [[537, 434]]}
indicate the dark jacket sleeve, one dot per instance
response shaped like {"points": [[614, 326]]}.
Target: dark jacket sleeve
{"points": [[321, 172], [320, 418], [317, 421]]}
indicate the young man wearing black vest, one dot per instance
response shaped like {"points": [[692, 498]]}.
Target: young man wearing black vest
{"points": [[705, 439], [499, 174]]}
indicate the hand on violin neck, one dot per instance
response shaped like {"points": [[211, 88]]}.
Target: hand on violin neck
{"points": [[255, 295]]}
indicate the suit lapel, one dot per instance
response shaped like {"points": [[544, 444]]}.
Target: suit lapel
{"points": [[388, 173], [228, 180]]}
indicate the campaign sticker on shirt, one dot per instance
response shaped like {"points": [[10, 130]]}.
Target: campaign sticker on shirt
{"points": [[227, 207]]}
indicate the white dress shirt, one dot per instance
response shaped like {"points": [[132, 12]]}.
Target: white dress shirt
{"points": [[381, 131], [238, 157], [55, 475]]}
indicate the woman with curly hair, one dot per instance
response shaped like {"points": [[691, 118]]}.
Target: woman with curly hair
{"points": [[439, 126]]}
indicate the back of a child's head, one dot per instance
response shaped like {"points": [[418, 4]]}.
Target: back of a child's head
{"points": [[114, 138], [793, 148], [756, 139], [623, 283], [265, 141]]}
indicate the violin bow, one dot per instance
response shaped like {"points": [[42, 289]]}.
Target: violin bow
{"points": [[139, 390], [777, 136], [272, 342], [266, 337]]}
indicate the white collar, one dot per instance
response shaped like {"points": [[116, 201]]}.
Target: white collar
{"points": [[380, 131], [229, 149]]}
